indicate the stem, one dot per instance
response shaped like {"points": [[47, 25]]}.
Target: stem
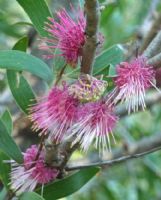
{"points": [[60, 74], [112, 162], [155, 61], [89, 48], [151, 34], [154, 47]]}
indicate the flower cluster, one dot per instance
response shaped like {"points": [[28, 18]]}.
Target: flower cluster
{"points": [[67, 35], [133, 79], [55, 113], [78, 109], [32, 172]]}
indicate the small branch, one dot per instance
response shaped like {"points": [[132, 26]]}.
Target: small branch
{"points": [[145, 146], [155, 61], [89, 49], [60, 74], [121, 110], [154, 47], [113, 162], [151, 34]]}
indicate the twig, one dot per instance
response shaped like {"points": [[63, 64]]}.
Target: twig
{"points": [[154, 47], [89, 49], [140, 149], [60, 74], [113, 162], [59, 155], [151, 34], [155, 61], [121, 110]]}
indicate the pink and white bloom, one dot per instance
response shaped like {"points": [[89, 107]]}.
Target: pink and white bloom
{"points": [[96, 121], [132, 81], [66, 34], [87, 88], [32, 172], [55, 113]]}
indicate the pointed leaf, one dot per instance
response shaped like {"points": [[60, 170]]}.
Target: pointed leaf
{"points": [[38, 12], [3, 193], [30, 196], [69, 185], [113, 55], [21, 90], [19, 61], [22, 44], [8, 146], [7, 120], [4, 169]]}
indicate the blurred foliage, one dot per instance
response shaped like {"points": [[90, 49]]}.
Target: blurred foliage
{"points": [[135, 180]]}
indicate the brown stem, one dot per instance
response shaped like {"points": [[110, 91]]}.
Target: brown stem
{"points": [[89, 48], [121, 110], [155, 61], [143, 147], [154, 47], [60, 74], [151, 34]]}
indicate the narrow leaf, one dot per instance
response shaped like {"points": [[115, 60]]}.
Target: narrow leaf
{"points": [[21, 90], [30, 196], [113, 55], [112, 71], [38, 12], [7, 120], [8, 146], [3, 193], [69, 185], [4, 169], [22, 44], [19, 61]]}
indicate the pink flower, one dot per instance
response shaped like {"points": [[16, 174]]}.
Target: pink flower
{"points": [[133, 80], [96, 121], [33, 172], [55, 113], [67, 35], [88, 88]]}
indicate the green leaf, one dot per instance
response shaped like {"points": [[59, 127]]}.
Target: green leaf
{"points": [[113, 55], [22, 44], [30, 196], [7, 120], [112, 71], [21, 90], [68, 185], [3, 193], [8, 146], [19, 61], [38, 12], [4, 169]]}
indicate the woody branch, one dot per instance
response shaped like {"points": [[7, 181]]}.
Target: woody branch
{"points": [[139, 149], [59, 155]]}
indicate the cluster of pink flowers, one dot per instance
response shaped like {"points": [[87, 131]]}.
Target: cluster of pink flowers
{"points": [[64, 113], [79, 108], [67, 35], [32, 172]]}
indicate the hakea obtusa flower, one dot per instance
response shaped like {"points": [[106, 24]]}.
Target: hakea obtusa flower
{"points": [[96, 121], [67, 35], [55, 113], [133, 79], [88, 88], [32, 172]]}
